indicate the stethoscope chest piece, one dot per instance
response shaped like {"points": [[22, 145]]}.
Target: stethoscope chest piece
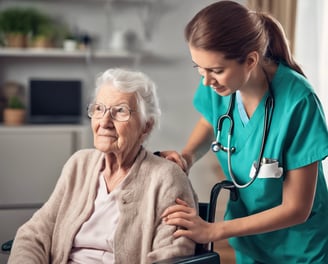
{"points": [[216, 146]]}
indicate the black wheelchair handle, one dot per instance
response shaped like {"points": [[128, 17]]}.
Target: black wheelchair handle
{"points": [[228, 185]]}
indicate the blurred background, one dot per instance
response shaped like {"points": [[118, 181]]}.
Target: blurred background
{"points": [[51, 52]]}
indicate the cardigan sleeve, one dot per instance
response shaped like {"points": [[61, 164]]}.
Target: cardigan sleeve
{"points": [[174, 184]]}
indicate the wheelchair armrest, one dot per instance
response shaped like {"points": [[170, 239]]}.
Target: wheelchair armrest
{"points": [[205, 258], [6, 247]]}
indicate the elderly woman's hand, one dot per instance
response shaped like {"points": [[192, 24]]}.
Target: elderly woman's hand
{"points": [[177, 158]]}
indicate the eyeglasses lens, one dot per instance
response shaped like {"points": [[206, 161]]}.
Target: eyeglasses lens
{"points": [[118, 113]]}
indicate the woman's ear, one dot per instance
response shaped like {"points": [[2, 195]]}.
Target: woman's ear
{"points": [[148, 128], [252, 59]]}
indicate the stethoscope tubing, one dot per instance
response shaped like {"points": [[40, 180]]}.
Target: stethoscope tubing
{"points": [[217, 146]]}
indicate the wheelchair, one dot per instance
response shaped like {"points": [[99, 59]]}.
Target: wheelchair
{"points": [[204, 253]]}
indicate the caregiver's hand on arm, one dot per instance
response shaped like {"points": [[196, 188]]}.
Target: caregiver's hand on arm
{"points": [[194, 227], [177, 158], [197, 146]]}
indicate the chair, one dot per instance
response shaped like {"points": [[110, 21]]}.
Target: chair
{"points": [[204, 253]]}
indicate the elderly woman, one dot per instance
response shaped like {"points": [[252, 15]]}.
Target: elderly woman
{"points": [[107, 204]]}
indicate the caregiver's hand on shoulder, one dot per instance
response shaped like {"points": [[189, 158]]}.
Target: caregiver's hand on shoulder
{"points": [[177, 158], [192, 225]]}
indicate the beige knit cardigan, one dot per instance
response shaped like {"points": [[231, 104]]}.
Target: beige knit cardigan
{"points": [[152, 184]]}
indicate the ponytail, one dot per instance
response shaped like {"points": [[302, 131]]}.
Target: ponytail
{"points": [[278, 48]]}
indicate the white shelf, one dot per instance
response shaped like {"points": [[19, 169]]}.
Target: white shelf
{"points": [[127, 2], [60, 53], [52, 128]]}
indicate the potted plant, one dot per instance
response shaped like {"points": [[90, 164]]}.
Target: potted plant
{"points": [[26, 26], [43, 36], [14, 113], [70, 42], [44, 31], [15, 26]]}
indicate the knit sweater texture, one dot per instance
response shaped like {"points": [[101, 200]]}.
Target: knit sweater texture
{"points": [[152, 184]]}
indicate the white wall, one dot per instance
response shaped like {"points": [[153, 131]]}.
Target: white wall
{"points": [[171, 68]]}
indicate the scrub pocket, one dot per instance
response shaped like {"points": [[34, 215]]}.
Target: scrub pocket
{"points": [[269, 169]]}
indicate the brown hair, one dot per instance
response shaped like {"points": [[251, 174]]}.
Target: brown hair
{"points": [[234, 30]]}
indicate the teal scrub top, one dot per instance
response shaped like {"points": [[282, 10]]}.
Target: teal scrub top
{"points": [[298, 136]]}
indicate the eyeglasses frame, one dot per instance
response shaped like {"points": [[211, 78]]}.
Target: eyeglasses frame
{"points": [[110, 112]]}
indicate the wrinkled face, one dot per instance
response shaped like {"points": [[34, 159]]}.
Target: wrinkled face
{"points": [[224, 76], [111, 136]]}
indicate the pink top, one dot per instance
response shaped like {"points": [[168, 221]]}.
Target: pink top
{"points": [[94, 241]]}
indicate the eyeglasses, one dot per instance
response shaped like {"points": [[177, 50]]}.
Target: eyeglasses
{"points": [[119, 113]]}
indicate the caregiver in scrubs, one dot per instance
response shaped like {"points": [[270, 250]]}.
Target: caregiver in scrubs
{"points": [[281, 216]]}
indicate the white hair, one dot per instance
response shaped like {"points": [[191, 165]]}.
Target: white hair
{"points": [[129, 81]]}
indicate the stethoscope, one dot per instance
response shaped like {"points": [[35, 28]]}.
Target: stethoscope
{"points": [[217, 146]]}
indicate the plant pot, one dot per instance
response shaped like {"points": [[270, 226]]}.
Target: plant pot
{"points": [[41, 42], [70, 45], [13, 117], [15, 40]]}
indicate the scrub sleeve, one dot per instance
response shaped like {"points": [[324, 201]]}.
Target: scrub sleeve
{"points": [[298, 136]]}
